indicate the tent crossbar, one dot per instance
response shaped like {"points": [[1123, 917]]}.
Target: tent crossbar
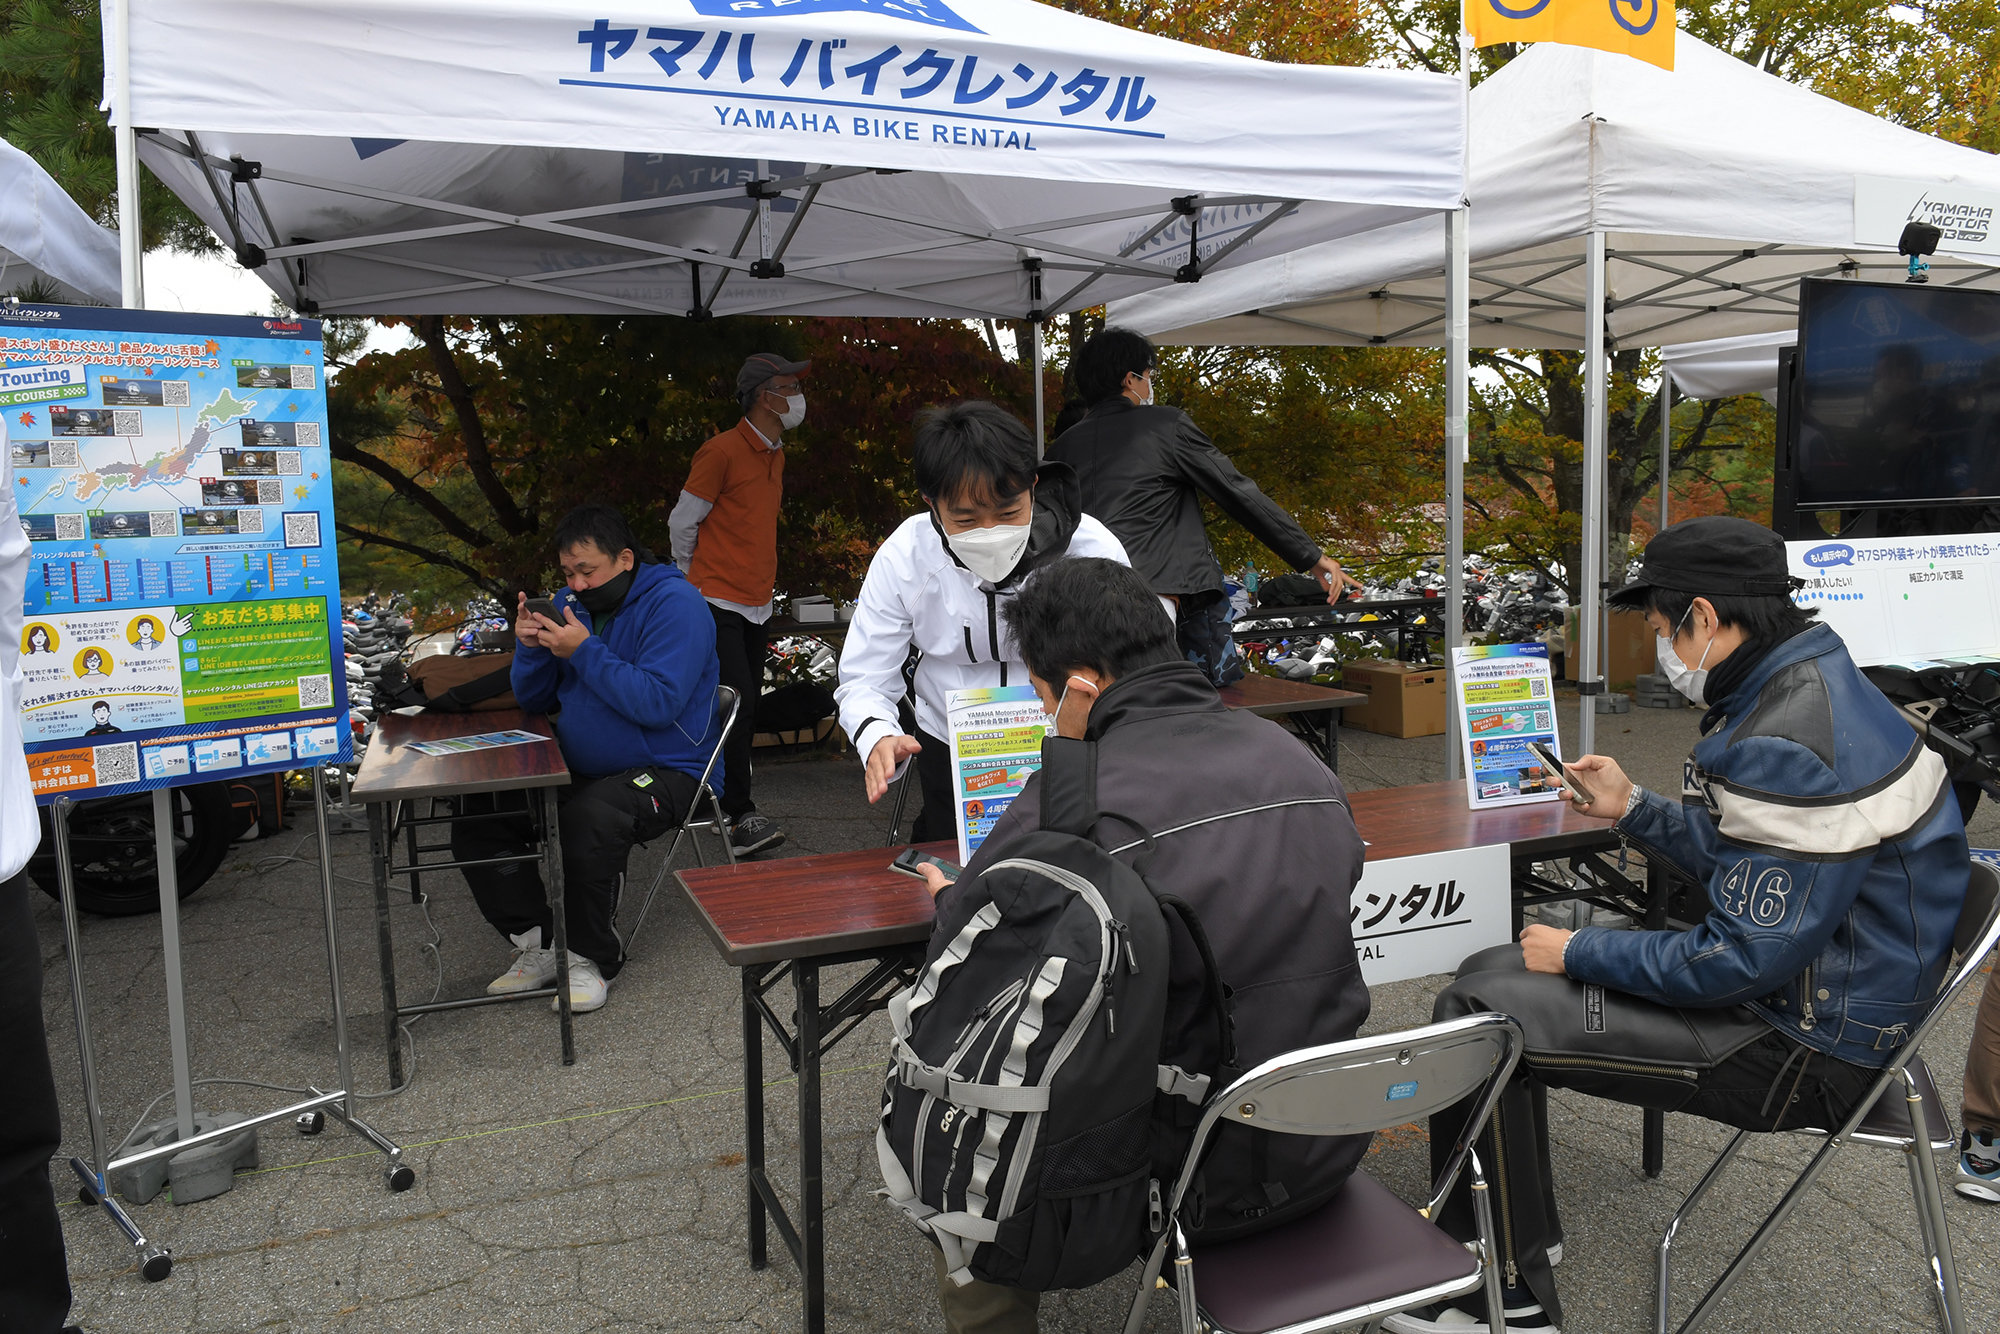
{"points": [[1317, 326], [483, 281], [1143, 239], [498, 220], [953, 309], [1001, 235], [1528, 287], [230, 214], [1285, 210], [1699, 277], [295, 270]]}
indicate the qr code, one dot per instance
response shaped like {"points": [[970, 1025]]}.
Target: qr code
{"points": [[288, 463], [128, 421], [162, 523], [1538, 688], [69, 527], [316, 692], [116, 763], [174, 393], [307, 434], [63, 454], [269, 492], [250, 520], [301, 530], [1542, 721], [303, 378]]}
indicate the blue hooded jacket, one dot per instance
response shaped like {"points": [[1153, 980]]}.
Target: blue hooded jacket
{"points": [[1833, 854], [639, 695]]}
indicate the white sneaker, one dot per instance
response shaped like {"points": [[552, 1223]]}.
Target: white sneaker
{"points": [[534, 967], [587, 987]]}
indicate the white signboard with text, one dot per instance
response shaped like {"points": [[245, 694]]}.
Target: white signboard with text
{"points": [[1905, 599], [1964, 214], [1415, 916]]}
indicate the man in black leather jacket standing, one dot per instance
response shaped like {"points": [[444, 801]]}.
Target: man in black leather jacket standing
{"points": [[1144, 469]]}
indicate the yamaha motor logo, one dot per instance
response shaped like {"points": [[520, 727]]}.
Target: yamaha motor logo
{"points": [[284, 326]]}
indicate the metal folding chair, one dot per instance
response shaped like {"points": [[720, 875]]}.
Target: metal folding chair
{"points": [[1901, 1111], [1365, 1254], [715, 822]]}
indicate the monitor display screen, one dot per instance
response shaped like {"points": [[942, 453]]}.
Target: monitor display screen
{"points": [[1899, 395]]}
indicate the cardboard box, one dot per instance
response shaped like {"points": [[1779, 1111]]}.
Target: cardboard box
{"points": [[1630, 649], [1403, 700]]}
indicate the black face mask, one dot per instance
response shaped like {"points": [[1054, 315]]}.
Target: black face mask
{"points": [[606, 598]]}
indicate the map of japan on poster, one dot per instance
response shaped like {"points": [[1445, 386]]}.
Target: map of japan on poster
{"points": [[182, 618]]}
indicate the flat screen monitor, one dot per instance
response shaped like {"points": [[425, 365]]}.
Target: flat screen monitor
{"points": [[1898, 395]]}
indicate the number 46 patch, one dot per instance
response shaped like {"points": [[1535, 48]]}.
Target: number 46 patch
{"points": [[1762, 898]]}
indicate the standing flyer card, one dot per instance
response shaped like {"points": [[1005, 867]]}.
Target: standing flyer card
{"points": [[996, 743], [1505, 699]]}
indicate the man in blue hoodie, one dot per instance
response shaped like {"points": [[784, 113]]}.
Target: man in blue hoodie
{"points": [[630, 672], [1830, 846]]}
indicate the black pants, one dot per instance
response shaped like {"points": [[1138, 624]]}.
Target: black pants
{"points": [[34, 1272], [1727, 1065], [599, 820], [1201, 626], [939, 818], [740, 650]]}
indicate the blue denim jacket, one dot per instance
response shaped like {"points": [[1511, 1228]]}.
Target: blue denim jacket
{"points": [[1833, 853]]}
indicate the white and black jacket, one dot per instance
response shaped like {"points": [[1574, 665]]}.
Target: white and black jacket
{"points": [[916, 594]]}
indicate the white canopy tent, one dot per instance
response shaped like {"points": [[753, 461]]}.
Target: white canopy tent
{"points": [[46, 239], [992, 158], [1618, 204], [1725, 367]]}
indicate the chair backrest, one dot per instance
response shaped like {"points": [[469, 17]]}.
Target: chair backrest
{"points": [[726, 705], [1977, 932], [1367, 1084]]}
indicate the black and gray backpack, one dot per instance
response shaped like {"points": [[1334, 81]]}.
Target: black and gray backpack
{"points": [[1027, 1119]]}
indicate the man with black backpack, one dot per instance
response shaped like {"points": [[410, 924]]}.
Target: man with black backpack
{"points": [[1245, 855]]}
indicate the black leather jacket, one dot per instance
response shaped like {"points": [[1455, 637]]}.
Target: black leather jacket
{"points": [[1143, 471], [1255, 834]]}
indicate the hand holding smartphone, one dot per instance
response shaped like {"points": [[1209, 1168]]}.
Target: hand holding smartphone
{"points": [[910, 859], [544, 607], [1555, 766]]}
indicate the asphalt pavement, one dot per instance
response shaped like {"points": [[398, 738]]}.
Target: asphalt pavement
{"points": [[610, 1195]]}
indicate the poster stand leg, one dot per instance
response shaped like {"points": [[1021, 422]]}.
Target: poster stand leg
{"points": [[156, 1262]]}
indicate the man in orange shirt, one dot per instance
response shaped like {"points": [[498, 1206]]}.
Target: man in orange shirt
{"points": [[725, 537]]}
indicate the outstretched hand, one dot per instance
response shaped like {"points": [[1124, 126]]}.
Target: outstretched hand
{"points": [[889, 752]]}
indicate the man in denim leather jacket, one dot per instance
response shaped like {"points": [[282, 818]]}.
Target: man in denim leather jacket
{"points": [[1835, 863]]}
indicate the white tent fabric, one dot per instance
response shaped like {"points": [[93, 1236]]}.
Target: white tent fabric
{"points": [[1717, 188], [835, 157], [1725, 367], [46, 238]]}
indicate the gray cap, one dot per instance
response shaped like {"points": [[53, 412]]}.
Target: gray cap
{"points": [[763, 366]]}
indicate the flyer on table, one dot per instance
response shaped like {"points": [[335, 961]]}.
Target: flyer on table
{"points": [[182, 616], [1505, 699], [996, 743]]}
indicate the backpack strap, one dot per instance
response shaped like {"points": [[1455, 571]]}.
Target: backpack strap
{"points": [[1218, 994], [1069, 785]]}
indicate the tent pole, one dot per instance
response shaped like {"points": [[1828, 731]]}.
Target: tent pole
{"points": [[1666, 438], [131, 249], [1041, 414], [1458, 326], [1590, 579]]}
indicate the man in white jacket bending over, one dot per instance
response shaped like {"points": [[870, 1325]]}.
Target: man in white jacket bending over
{"points": [[992, 517]]}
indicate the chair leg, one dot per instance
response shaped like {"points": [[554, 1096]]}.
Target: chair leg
{"points": [[659, 878], [1763, 1234], [1482, 1213], [896, 811], [721, 827], [1929, 1199], [1135, 1318], [1184, 1284], [1708, 1179]]}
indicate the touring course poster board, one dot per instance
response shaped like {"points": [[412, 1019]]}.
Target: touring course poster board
{"points": [[996, 745], [182, 616]]}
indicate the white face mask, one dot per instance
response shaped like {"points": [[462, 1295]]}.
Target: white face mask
{"points": [[1690, 681], [990, 553], [795, 411], [1147, 401]]}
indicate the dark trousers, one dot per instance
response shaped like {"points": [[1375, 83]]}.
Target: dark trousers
{"points": [[1727, 1065], [599, 820], [740, 650], [1201, 626], [939, 818], [34, 1272]]}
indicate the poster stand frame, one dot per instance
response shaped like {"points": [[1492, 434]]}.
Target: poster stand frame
{"points": [[156, 1261]]}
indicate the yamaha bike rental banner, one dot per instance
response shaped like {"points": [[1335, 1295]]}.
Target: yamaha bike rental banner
{"points": [[182, 616]]}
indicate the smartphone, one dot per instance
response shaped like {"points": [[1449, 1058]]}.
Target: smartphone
{"points": [[1561, 771], [544, 607], [910, 859]]}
